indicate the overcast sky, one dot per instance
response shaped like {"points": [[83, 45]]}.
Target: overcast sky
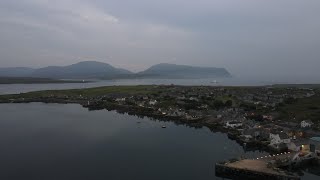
{"points": [[248, 37]]}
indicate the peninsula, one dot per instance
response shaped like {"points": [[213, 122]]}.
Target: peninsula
{"points": [[281, 106], [31, 80]]}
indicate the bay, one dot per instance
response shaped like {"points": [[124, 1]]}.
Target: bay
{"points": [[66, 141], [55, 141]]}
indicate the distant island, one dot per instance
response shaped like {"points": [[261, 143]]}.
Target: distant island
{"points": [[99, 70], [165, 70]]}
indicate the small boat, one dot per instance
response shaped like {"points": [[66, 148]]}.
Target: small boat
{"points": [[164, 127]]}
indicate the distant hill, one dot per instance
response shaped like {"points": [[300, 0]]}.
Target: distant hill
{"points": [[99, 70], [86, 69], [183, 71]]}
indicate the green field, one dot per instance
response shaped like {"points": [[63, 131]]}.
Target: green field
{"points": [[90, 92], [302, 109], [296, 110], [30, 80]]}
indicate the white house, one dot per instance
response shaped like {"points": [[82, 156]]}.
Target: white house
{"points": [[120, 99], [145, 97], [293, 147], [297, 145], [233, 124], [141, 104], [278, 138], [306, 123], [153, 102], [193, 99]]}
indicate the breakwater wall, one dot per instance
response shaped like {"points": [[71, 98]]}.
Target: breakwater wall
{"points": [[224, 171]]}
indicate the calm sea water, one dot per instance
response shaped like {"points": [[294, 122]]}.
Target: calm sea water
{"points": [[52, 141], [55, 141], [20, 88]]}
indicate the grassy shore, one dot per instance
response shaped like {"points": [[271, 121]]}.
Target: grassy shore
{"points": [[90, 92], [295, 110], [30, 80], [306, 108]]}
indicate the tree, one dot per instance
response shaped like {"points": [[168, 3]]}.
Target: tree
{"points": [[290, 100], [218, 104], [228, 103]]}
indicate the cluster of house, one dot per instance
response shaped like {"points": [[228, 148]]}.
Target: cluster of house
{"points": [[279, 138], [198, 97], [271, 97]]}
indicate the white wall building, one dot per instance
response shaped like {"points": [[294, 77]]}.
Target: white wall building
{"points": [[153, 102], [306, 124], [233, 124], [278, 138]]}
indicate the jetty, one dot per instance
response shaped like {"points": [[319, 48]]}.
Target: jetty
{"points": [[265, 167], [251, 169]]}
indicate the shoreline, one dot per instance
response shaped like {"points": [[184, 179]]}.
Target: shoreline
{"points": [[194, 106], [143, 112], [33, 80]]}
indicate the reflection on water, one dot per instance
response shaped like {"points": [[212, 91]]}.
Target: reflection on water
{"points": [[51, 141], [59, 141]]}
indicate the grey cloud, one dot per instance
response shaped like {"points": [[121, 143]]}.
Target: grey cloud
{"points": [[249, 37]]}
